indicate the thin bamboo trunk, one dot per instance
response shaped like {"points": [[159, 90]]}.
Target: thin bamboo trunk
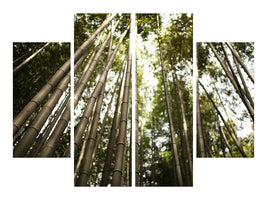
{"points": [[129, 164], [231, 78], [240, 61], [113, 134], [223, 135], [186, 172], [244, 83], [78, 165], [124, 172], [227, 127], [19, 58], [206, 139], [186, 155], [244, 91], [142, 144], [137, 167], [222, 144], [189, 156], [18, 68], [173, 140], [182, 168], [221, 102], [200, 140], [84, 172], [153, 152], [117, 173]]}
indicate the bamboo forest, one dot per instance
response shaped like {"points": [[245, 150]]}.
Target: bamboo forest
{"points": [[41, 91], [165, 100], [103, 92], [133, 99], [225, 99]]}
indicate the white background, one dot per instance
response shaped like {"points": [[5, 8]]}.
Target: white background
{"points": [[37, 21]]}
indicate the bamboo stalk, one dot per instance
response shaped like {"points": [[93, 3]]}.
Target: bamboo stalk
{"points": [[49, 127], [173, 141], [84, 119], [85, 47], [84, 172], [117, 173], [240, 148], [18, 68], [247, 93], [199, 124], [113, 133], [233, 81], [19, 58], [32, 132], [240, 61], [20, 119], [78, 165]]}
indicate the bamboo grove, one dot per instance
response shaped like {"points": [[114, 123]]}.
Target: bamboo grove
{"points": [[41, 87], [225, 103], [103, 58], [164, 135], [102, 100]]}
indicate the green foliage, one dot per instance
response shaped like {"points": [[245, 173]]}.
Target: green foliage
{"points": [[248, 144], [85, 24], [202, 57], [146, 23], [179, 39]]}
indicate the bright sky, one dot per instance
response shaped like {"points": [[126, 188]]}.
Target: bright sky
{"points": [[145, 61]]}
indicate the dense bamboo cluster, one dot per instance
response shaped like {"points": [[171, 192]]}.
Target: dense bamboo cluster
{"points": [[29, 137], [150, 133], [87, 136], [235, 76], [164, 137]]}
